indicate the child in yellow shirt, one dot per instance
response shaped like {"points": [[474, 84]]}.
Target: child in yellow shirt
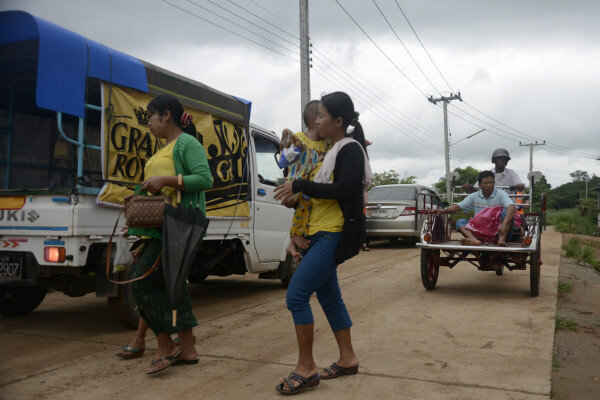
{"points": [[311, 150]]}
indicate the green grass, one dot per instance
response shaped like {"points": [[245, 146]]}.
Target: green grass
{"points": [[564, 287], [565, 324], [582, 250], [569, 221], [555, 363]]}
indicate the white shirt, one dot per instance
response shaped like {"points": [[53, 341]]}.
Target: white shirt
{"points": [[508, 177]]}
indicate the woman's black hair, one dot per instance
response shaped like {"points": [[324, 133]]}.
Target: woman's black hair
{"points": [[485, 174], [166, 102], [359, 135], [339, 104]]}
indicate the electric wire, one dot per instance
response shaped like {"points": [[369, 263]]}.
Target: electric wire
{"points": [[380, 49], [423, 46], [405, 48], [230, 31]]}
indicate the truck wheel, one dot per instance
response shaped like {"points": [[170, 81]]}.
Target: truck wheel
{"points": [[122, 306], [21, 300], [289, 267], [430, 267], [534, 273]]}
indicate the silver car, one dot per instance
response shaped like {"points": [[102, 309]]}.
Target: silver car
{"points": [[391, 210]]}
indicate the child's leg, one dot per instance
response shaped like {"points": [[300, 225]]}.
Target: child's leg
{"points": [[300, 222], [293, 251]]}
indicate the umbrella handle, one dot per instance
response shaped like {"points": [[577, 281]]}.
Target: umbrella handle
{"points": [[179, 184]]}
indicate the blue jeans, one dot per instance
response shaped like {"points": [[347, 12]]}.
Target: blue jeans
{"points": [[318, 273], [461, 223]]}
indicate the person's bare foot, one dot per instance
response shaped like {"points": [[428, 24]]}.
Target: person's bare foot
{"points": [[501, 242], [300, 242], [470, 241], [292, 251]]}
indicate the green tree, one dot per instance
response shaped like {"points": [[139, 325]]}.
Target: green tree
{"points": [[409, 179], [389, 178], [580, 176], [541, 186], [385, 178], [467, 175]]}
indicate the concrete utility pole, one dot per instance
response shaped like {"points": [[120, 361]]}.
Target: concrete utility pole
{"points": [[531, 145], [304, 59], [446, 100]]}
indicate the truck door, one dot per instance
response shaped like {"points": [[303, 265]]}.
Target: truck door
{"points": [[272, 221]]}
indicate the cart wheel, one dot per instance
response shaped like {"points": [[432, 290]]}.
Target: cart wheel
{"points": [[500, 271], [534, 273], [430, 267]]}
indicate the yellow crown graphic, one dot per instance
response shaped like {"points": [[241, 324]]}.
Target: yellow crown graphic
{"points": [[141, 115]]}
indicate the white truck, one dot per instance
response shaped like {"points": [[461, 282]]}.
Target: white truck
{"points": [[66, 143]]}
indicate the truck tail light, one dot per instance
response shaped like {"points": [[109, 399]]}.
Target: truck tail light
{"points": [[409, 211], [54, 254]]}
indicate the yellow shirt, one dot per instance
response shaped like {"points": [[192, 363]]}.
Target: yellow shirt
{"points": [[325, 215], [160, 164]]}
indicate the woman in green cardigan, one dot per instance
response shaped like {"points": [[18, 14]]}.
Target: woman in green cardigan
{"points": [[182, 155]]}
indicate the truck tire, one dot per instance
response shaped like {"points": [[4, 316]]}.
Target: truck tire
{"points": [[20, 300], [122, 307], [534, 274], [289, 267]]}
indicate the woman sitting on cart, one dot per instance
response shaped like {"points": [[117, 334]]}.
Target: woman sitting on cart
{"points": [[487, 196]]}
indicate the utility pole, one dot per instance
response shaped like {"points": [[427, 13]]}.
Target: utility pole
{"points": [[445, 100], [531, 146], [304, 59]]}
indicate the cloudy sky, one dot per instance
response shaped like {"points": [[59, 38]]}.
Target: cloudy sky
{"points": [[532, 66]]}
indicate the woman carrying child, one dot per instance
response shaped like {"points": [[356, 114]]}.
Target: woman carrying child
{"points": [[334, 231]]}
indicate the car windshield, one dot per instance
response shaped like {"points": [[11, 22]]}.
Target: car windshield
{"points": [[392, 193]]}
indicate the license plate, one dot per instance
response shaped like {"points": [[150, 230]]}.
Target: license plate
{"points": [[11, 266], [379, 213]]}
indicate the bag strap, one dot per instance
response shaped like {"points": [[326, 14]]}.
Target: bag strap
{"points": [[108, 252]]}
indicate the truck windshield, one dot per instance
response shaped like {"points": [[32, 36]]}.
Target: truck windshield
{"points": [[380, 193]]}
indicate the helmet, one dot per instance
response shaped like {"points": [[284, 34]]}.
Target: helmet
{"points": [[500, 153]]}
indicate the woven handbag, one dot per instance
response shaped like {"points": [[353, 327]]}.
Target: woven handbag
{"points": [[145, 211]]}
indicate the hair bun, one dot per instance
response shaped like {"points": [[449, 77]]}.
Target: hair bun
{"points": [[186, 118]]}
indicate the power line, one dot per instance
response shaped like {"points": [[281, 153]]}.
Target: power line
{"points": [[262, 19], [379, 48], [423, 46], [230, 31], [405, 48], [523, 133], [244, 19], [280, 19]]}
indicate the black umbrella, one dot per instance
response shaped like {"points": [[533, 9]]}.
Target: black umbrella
{"points": [[183, 230]]}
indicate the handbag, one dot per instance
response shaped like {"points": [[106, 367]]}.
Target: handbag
{"points": [[142, 211]]}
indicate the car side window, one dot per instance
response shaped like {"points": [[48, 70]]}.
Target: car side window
{"points": [[266, 164], [436, 200]]}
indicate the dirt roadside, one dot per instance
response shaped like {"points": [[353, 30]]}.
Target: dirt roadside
{"points": [[576, 362], [477, 335]]}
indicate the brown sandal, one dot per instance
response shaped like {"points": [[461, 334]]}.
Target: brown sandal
{"points": [[167, 365], [335, 371], [304, 383]]}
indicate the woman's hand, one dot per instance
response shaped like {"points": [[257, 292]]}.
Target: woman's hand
{"points": [[283, 192], [154, 184]]}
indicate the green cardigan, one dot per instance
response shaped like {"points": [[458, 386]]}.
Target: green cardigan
{"points": [[190, 161]]}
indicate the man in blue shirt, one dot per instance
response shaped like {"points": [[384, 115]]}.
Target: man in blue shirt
{"points": [[487, 196]]}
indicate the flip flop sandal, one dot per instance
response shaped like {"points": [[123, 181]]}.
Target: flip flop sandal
{"points": [[183, 361], [168, 364], [335, 371], [133, 352], [304, 383]]}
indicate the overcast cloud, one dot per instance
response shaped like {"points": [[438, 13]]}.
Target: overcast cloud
{"points": [[532, 65]]}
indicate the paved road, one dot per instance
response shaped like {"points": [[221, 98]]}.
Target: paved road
{"points": [[477, 335]]}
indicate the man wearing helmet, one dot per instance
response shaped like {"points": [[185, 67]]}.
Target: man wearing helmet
{"points": [[505, 176]]}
